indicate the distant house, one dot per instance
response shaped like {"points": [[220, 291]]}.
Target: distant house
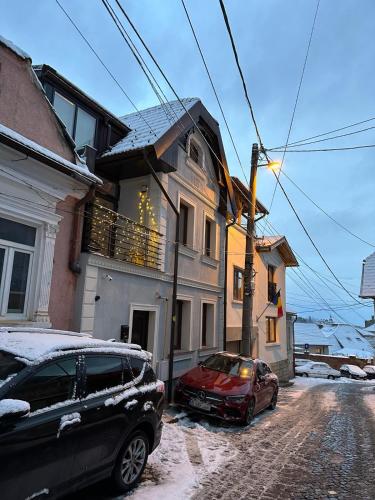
{"points": [[271, 337], [310, 337], [42, 182], [333, 339]]}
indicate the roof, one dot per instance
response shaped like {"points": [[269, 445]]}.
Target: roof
{"points": [[269, 243], [46, 71], [310, 333], [350, 341], [21, 143], [368, 278], [35, 344], [243, 193], [149, 125], [13, 47]]}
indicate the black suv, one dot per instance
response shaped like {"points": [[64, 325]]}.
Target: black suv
{"points": [[73, 410]]}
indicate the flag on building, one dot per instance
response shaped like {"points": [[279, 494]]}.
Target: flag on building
{"points": [[278, 302]]}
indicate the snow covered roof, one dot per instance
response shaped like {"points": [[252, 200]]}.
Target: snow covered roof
{"points": [[33, 345], [159, 118], [350, 340], [269, 243], [310, 333], [13, 47], [368, 277], [81, 171]]}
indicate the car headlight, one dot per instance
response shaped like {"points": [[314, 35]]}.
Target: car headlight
{"points": [[236, 399]]}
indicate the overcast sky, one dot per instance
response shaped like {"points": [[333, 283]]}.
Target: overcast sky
{"points": [[271, 37]]}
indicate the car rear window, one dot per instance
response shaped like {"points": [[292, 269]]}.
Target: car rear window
{"points": [[136, 365], [104, 372], [9, 365], [230, 365]]}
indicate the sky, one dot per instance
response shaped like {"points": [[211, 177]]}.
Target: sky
{"points": [[271, 38]]}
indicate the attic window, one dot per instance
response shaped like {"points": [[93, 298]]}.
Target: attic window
{"points": [[195, 153]]}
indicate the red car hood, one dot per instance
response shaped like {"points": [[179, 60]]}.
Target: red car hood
{"points": [[214, 381]]}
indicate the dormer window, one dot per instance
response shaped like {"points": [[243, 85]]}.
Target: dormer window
{"points": [[195, 153], [80, 124]]}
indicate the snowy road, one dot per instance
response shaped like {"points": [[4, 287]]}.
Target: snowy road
{"points": [[318, 444]]}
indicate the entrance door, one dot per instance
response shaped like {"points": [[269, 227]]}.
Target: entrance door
{"points": [[140, 328]]}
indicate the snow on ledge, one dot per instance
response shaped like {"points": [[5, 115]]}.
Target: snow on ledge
{"points": [[13, 47], [80, 170]]}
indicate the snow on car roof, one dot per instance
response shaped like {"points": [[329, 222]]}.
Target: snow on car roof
{"points": [[33, 345], [353, 368]]}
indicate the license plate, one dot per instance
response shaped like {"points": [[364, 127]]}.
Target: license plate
{"points": [[201, 405]]}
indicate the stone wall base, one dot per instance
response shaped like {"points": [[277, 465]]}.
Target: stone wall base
{"points": [[282, 370]]}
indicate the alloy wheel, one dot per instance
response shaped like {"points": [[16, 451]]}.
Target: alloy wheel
{"points": [[249, 412], [133, 460]]}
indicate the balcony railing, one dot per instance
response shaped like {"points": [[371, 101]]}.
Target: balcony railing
{"points": [[272, 290], [113, 235]]}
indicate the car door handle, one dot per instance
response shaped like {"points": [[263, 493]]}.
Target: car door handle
{"points": [[68, 422]]}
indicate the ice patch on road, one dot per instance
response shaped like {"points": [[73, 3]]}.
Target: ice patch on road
{"points": [[370, 401]]}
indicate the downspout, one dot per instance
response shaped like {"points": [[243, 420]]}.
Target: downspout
{"points": [[76, 235], [227, 226]]}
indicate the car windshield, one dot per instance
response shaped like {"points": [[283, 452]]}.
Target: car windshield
{"points": [[230, 365], [9, 366]]}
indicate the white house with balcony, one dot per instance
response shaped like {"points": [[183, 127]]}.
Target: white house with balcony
{"points": [[125, 287]]}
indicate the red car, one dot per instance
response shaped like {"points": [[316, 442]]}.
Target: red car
{"points": [[228, 386]]}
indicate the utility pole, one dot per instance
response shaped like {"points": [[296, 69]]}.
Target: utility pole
{"points": [[247, 308]]}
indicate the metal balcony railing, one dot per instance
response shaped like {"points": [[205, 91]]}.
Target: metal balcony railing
{"points": [[113, 235]]}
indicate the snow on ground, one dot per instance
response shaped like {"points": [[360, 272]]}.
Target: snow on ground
{"points": [[370, 401], [187, 452]]}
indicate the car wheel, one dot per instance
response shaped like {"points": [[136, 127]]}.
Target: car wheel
{"points": [[305, 374], [331, 377], [249, 415], [273, 402], [131, 461]]}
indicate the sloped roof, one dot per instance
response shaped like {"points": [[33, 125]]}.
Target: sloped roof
{"points": [[351, 342], [310, 333], [243, 194], [269, 243], [150, 125], [13, 47], [368, 278]]}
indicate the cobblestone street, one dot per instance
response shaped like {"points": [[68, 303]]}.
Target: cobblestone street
{"points": [[321, 445]]}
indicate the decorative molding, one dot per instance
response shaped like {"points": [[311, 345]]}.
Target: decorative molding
{"points": [[193, 189], [187, 251], [209, 261]]}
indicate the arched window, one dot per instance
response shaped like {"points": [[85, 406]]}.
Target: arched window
{"points": [[195, 153]]}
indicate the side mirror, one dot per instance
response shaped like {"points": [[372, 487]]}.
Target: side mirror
{"points": [[13, 409]]}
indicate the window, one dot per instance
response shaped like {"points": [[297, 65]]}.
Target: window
{"points": [[178, 327], [51, 384], [271, 284], [103, 372], [9, 365], [207, 238], [237, 284], [195, 153], [207, 327], [136, 365], [231, 365], [80, 124], [16, 254], [184, 221], [271, 329], [186, 231]]}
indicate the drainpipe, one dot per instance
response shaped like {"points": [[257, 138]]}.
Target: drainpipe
{"points": [[75, 244], [175, 273], [227, 226]]}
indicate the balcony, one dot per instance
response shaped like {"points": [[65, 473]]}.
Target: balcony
{"points": [[272, 290], [112, 235]]}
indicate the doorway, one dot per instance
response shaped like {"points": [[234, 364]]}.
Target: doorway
{"points": [[140, 328]]}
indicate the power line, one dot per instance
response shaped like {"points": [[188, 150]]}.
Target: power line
{"points": [[226, 20], [325, 133], [325, 149], [296, 101], [104, 65], [327, 214], [312, 241], [213, 88], [334, 137]]}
